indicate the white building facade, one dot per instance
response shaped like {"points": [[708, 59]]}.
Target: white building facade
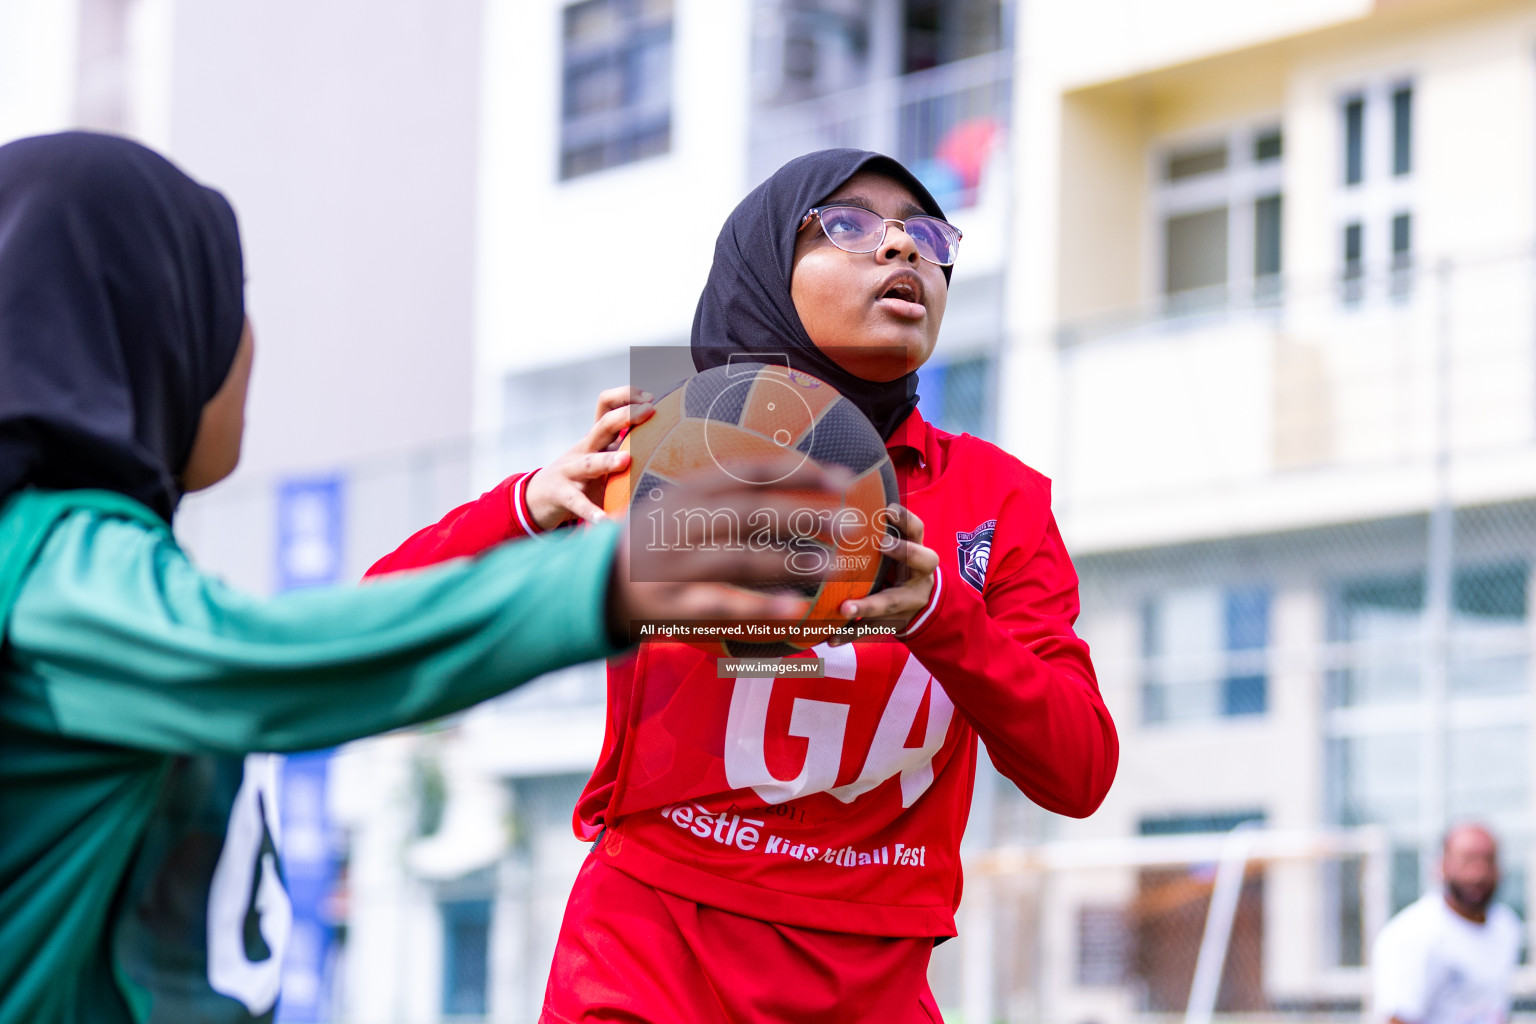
{"points": [[1275, 261]]}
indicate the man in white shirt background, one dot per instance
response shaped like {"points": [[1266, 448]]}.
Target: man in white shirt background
{"points": [[1450, 957]]}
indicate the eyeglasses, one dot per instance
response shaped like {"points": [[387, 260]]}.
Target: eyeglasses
{"points": [[855, 229]]}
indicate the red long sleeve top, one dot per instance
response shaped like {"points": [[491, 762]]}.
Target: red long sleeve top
{"points": [[838, 803]]}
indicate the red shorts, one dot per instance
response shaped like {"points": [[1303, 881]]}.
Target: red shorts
{"points": [[628, 952]]}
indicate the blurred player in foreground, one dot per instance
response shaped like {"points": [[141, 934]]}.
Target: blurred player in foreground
{"points": [[787, 849], [1450, 957], [138, 871]]}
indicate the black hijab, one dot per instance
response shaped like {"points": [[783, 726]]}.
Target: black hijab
{"points": [[746, 305], [121, 307]]}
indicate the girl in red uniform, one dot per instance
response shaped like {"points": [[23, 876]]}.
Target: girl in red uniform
{"points": [[788, 849]]}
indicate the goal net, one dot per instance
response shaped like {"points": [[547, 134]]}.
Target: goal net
{"points": [[1248, 925]]}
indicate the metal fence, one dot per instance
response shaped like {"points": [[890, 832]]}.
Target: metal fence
{"points": [[1305, 530]]}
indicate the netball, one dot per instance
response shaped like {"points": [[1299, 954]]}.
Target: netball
{"points": [[749, 412]]}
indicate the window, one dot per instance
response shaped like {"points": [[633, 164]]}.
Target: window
{"points": [[466, 944], [1402, 130], [1402, 236], [1195, 162], [1378, 618], [1354, 265], [1354, 140], [1373, 778], [1402, 255], [1488, 630], [1220, 207], [1247, 635], [1377, 778], [1375, 196], [1195, 824], [1205, 651], [928, 81], [617, 101], [819, 47], [1377, 626], [938, 32], [809, 48], [1266, 244], [1197, 251], [1375, 739]]}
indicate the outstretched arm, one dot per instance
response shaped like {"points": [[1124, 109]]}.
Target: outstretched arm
{"points": [[115, 636], [533, 502]]}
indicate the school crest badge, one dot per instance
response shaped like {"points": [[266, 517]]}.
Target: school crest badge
{"points": [[974, 550]]}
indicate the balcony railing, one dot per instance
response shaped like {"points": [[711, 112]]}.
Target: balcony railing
{"points": [[941, 123], [1388, 389]]}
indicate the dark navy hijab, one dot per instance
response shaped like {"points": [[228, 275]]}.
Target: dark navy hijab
{"points": [[121, 306], [746, 305]]}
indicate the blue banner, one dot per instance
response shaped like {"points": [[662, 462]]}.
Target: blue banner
{"points": [[310, 518], [309, 874], [309, 532]]}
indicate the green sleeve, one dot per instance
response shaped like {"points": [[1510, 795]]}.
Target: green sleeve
{"points": [[115, 636]]}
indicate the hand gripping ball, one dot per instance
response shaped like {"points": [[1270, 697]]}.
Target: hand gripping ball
{"points": [[750, 411]]}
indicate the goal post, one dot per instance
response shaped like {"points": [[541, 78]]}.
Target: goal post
{"points": [[1253, 923]]}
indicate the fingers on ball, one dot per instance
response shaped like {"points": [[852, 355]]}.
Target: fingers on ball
{"points": [[616, 398]]}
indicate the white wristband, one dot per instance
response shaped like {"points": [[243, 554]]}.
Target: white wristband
{"points": [[520, 501], [933, 602]]}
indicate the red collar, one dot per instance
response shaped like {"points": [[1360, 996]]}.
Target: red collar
{"points": [[911, 434]]}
